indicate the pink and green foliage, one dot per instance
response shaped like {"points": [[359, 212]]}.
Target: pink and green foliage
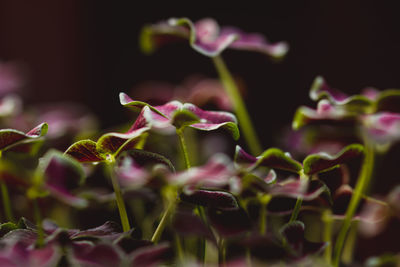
{"points": [[223, 209]]}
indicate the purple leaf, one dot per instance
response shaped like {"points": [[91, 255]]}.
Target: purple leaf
{"points": [[321, 90], [383, 127], [151, 255], [211, 199], [109, 230], [325, 113], [62, 174], [322, 161], [108, 144], [271, 158], [18, 141], [20, 255], [85, 151], [163, 117], [96, 256], [230, 222], [218, 171], [206, 37], [293, 233]]}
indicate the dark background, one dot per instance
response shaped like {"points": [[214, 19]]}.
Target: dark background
{"points": [[87, 51]]}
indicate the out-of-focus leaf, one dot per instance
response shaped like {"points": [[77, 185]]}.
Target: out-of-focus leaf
{"points": [[322, 161]]}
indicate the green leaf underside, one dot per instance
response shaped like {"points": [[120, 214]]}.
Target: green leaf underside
{"points": [[320, 162], [183, 118]]}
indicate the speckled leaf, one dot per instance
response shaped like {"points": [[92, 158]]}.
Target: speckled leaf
{"points": [[115, 143], [85, 151], [322, 161], [18, 141]]}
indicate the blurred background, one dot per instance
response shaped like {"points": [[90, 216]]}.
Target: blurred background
{"points": [[87, 52]]}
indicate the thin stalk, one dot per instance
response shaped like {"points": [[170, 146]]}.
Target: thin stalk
{"points": [[172, 203], [164, 220], [347, 256], [232, 90], [6, 200], [222, 252], [120, 201], [38, 219], [299, 201], [183, 147], [362, 183], [327, 235], [263, 219], [296, 210], [179, 249], [201, 252]]}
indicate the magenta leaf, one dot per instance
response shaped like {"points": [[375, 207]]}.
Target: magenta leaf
{"points": [[109, 144], [325, 113], [217, 172], [382, 127], [109, 230], [321, 90], [135, 168], [322, 161], [17, 141], [206, 37], [97, 255], [20, 255], [61, 175], [272, 158], [180, 115], [85, 151]]}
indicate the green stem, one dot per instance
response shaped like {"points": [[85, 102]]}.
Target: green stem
{"points": [[348, 249], [327, 235], [120, 200], [296, 210], [179, 132], [6, 200], [263, 219], [362, 183], [222, 252], [38, 219], [299, 200], [164, 220], [232, 90]]}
